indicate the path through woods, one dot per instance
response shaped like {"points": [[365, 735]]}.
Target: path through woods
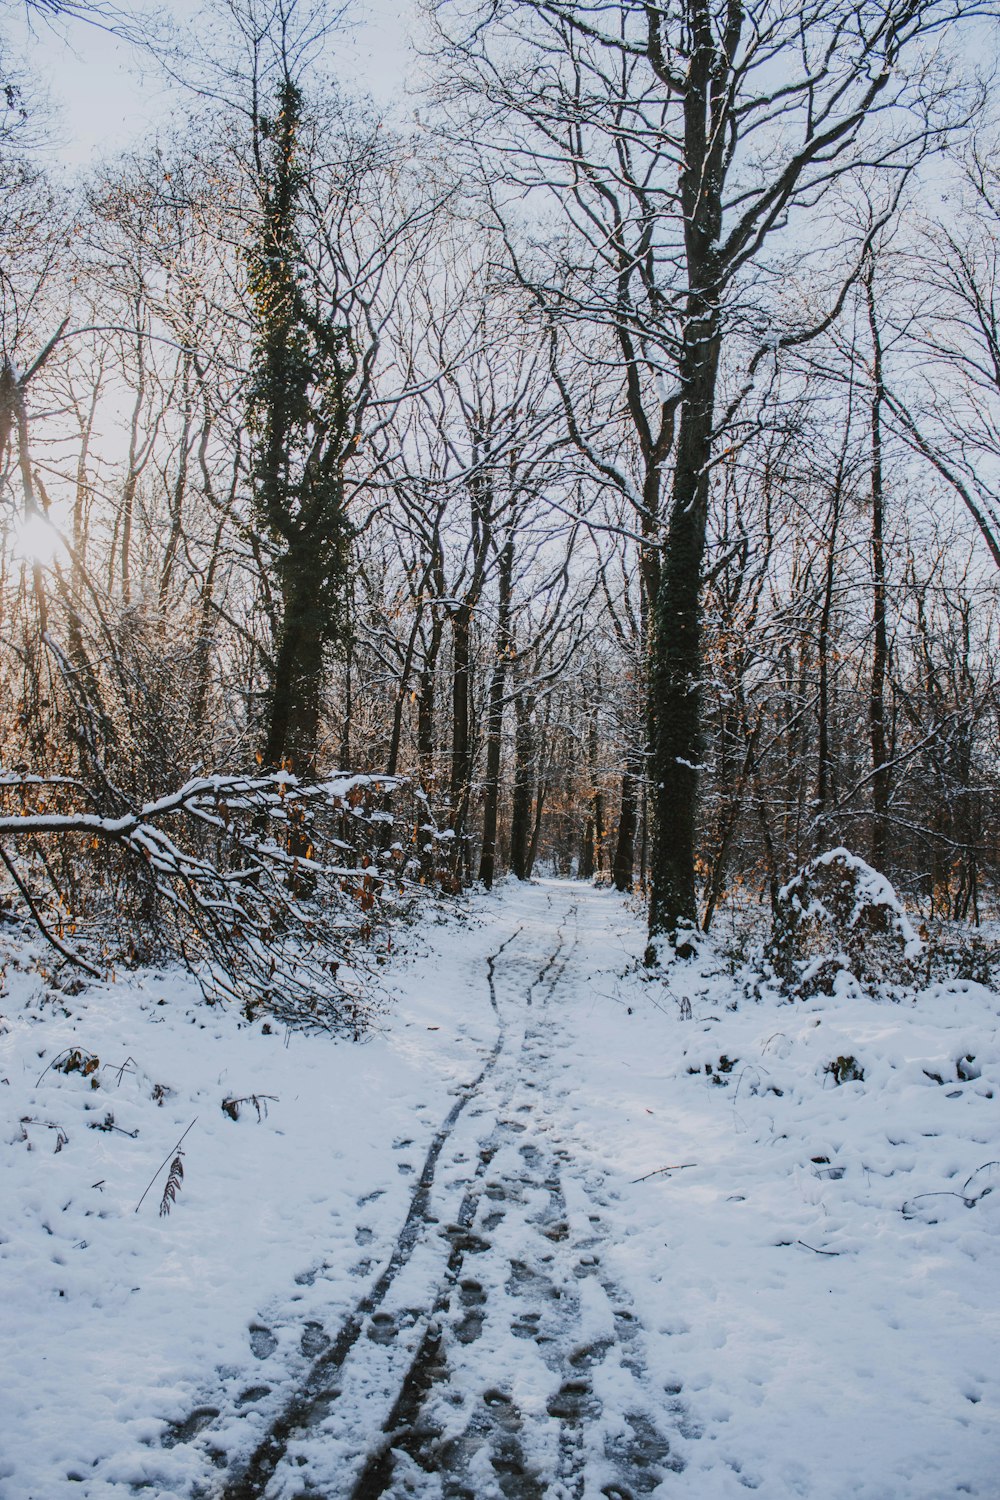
{"points": [[496, 1288], [559, 1228]]}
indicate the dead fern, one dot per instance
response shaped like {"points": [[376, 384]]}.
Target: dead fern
{"points": [[174, 1179], [174, 1176]]}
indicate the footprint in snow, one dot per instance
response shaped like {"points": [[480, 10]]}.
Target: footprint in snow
{"points": [[262, 1341], [253, 1394], [313, 1340], [183, 1432], [382, 1328]]}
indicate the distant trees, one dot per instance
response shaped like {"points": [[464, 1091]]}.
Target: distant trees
{"points": [[615, 463], [680, 142]]}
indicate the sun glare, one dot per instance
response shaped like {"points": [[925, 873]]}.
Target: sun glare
{"points": [[36, 540]]}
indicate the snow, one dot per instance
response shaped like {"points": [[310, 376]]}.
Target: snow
{"points": [[663, 1249]]}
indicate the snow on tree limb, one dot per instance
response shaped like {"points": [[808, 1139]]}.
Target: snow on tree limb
{"points": [[270, 904]]}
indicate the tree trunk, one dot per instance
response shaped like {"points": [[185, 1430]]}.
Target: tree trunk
{"points": [[426, 744], [461, 731], [347, 723], [675, 676], [296, 689], [880, 647], [541, 791], [494, 718], [623, 862], [521, 799], [824, 754]]}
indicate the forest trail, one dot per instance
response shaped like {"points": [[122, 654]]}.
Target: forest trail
{"points": [[559, 1228], [494, 1354]]}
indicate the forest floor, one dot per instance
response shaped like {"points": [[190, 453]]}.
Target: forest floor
{"points": [[556, 1230]]}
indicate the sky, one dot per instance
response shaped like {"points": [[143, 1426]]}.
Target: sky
{"points": [[105, 93]]}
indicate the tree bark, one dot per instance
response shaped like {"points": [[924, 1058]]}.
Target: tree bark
{"points": [[623, 862], [494, 717], [675, 675], [522, 795], [821, 832], [296, 687], [461, 728], [881, 774]]}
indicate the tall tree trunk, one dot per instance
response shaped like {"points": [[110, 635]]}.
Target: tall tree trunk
{"points": [[623, 862], [494, 716], [824, 754], [347, 722], [296, 687], [542, 788], [461, 730], [592, 853], [675, 696], [522, 794], [137, 455], [396, 735], [179, 490], [426, 698], [203, 643], [78, 570], [881, 775]]}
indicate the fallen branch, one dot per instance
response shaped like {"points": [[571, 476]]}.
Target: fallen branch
{"points": [[264, 899], [660, 1171]]}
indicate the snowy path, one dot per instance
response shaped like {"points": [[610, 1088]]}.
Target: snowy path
{"points": [[558, 1229], [494, 1285]]}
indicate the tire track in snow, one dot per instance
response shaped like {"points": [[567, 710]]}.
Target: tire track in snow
{"points": [[496, 1449], [402, 1426], [316, 1390], [418, 1367]]}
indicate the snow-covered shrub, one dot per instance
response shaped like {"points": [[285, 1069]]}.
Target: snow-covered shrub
{"points": [[956, 954], [838, 915]]}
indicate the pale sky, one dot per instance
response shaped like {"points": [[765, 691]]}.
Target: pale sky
{"points": [[105, 94]]}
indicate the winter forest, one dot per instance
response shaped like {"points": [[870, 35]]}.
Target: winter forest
{"points": [[499, 776]]}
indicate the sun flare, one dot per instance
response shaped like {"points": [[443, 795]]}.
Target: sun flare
{"points": [[36, 540]]}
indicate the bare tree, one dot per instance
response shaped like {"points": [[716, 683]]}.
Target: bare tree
{"points": [[682, 141]]}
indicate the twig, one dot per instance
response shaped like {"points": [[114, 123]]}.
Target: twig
{"points": [[977, 1172], [168, 1158], [679, 1167], [121, 1070], [815, 1251], [773, 1037]]}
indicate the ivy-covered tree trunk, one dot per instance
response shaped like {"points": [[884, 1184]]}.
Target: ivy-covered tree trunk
{"points": [[300, 419], [297, 679]]}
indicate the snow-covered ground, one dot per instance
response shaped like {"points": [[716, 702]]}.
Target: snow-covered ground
{"points": [[451, 1261]]}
